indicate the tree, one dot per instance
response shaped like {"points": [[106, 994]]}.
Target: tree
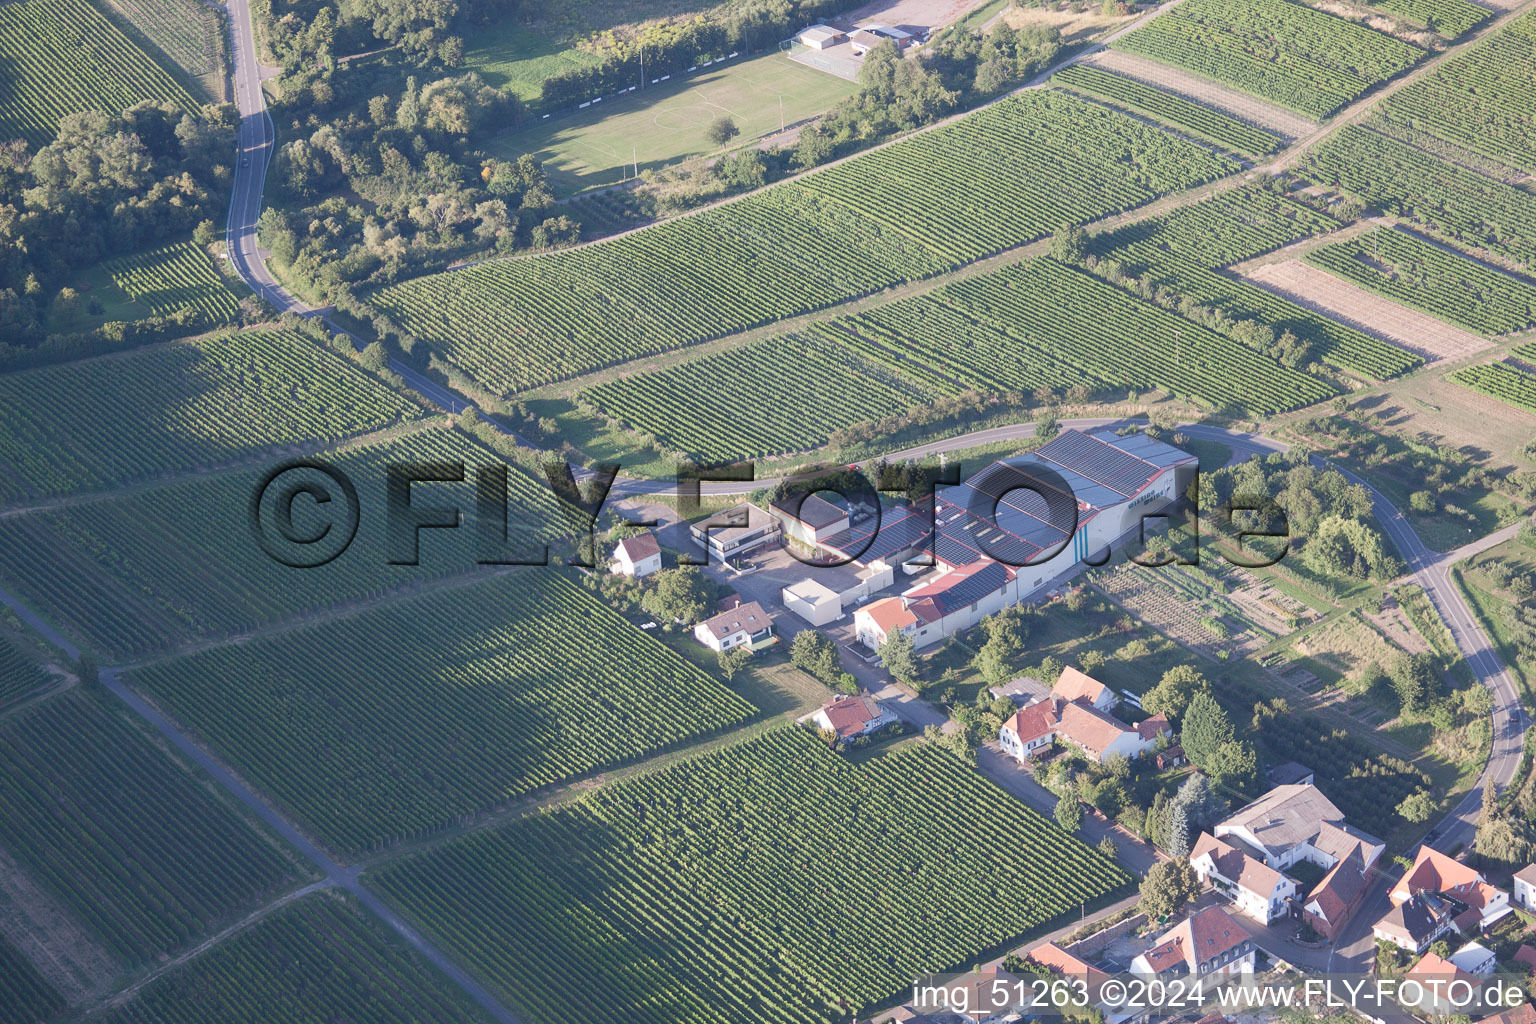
{"points": [[1235, 764], [88, 671], [1203, 807], [680, 595], [1417, 807], [1205, 729], [994, 661], [1174, 691], [1069, 244], [722, 130], [898, 656], [733, 661], [1167, 886], [816, 653], [1179, 834], [1503, 838], [1156, 824], [1413, 677], [1107, 848], [1069, 814], [1422, 502]]}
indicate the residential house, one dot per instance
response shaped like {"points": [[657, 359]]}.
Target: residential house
{"points": [[809, 519], [745, 624], [1336, 897], [852, 717], [1480, 903], [1290, 774], [1059, 961], [1417, 921], [1525, 1013], [1030, 731], [875, 622], [1435, 974], [1294, 823], [1256, 889], [1074, 685], [1023, 690], [1525, 956], [1209, 944], [637, 556], [1100, 735], [1475, 958], [736, 532], [1525, 887]]}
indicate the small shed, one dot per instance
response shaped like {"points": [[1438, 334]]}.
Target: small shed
{"points": [[814, 602], [821, 37]]}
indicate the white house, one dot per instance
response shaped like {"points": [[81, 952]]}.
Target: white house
{"points": [[637, 556], [1416, 922], [813, 601], [875, 622], [1433, 872], [746, 624], [1525, 887], [1074, 684], [1100, 735], [1475, 958], [1256, 889], [1209, 944], [852, 717], [736, 532], [1295, 823], [1028, 733]]}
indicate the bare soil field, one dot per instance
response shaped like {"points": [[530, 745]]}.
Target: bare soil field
{"points": [[911, 15], [1265, 115], [1418, 332], [48, 934], [1074, 26]]}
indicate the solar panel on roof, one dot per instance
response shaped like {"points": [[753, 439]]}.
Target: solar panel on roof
{"points": [[1099, 461]]}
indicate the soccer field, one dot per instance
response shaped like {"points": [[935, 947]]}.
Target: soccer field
{"points": [[667, 123]]}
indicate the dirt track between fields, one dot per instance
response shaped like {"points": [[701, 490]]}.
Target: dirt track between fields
{"points": [[1201, 90], [1418, 332]]}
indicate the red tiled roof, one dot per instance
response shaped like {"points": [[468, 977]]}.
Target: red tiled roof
{"points": [[1201, 938], [1089, 727], [1525, 955], [640, 547], [849, 715], [1433, 871], [1233, 864], [889, 615], [1035, 720], [1525, 1013], [1338, 890], [1436, 966], [1074, 684], [1151, 728], [1048, 954], [749, 617]]}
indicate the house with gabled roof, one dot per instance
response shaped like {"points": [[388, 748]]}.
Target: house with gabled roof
{"points": [[1417, 921], [744, 625], [1434, 872], [1524, 894], [851, 717], [1294, 823], [1256, 889], [637, 556], [1074, 684], [1211, 943], [1336, 897]]}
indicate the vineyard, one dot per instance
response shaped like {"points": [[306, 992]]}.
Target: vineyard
{"points": [[1082, 321], [1450, 18], [177, 407], [120, 834], [890, 216], [1301, 58], [63, 56], [1510, 384], [1184, 251], [186, 31], [784, 394], [770, 881], [1461, 204], [174, 277], [1192, 118], [369, 734], [1482, 100], [25, 997], [1417, 273], [158, 568], [317, 959], [19, 676]]}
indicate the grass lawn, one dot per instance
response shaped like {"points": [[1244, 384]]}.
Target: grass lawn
{"points": [[1212, 454], [514, 57], [603, 443], [667, 123]]}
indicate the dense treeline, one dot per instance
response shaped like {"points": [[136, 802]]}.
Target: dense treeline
{"points": [[108, 184]]}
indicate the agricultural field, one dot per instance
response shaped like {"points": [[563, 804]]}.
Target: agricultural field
{"points": [[63, 56], [1184, 251], [780, 395], [1192, 118], [1303, 59], [1482, 100], [664, 124], [174, 277], [121, 835], [511, 56], [1508, 383], [188, 33], [1450, 18], [1113, 335], [317, 959], [25, 997], [780, 838], [368, 734], [1417, 273], [19, 675], [161, 567], [1474, 210], [178, 407], [800, 246]]}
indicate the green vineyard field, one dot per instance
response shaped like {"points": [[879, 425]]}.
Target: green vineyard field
{"points": [[1450, 18], [174, 277], [1303, 59], [176, 407], [319, 959], [893, 215], [1482, 100], [1187, 116], [186, 31], [162, 567], [402, 720], [780, 395], [25, 997], [63, 56], [19, 676], [108, 825], [1477, 211], [765, 882], [1511, 385], [1420, 274]]}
